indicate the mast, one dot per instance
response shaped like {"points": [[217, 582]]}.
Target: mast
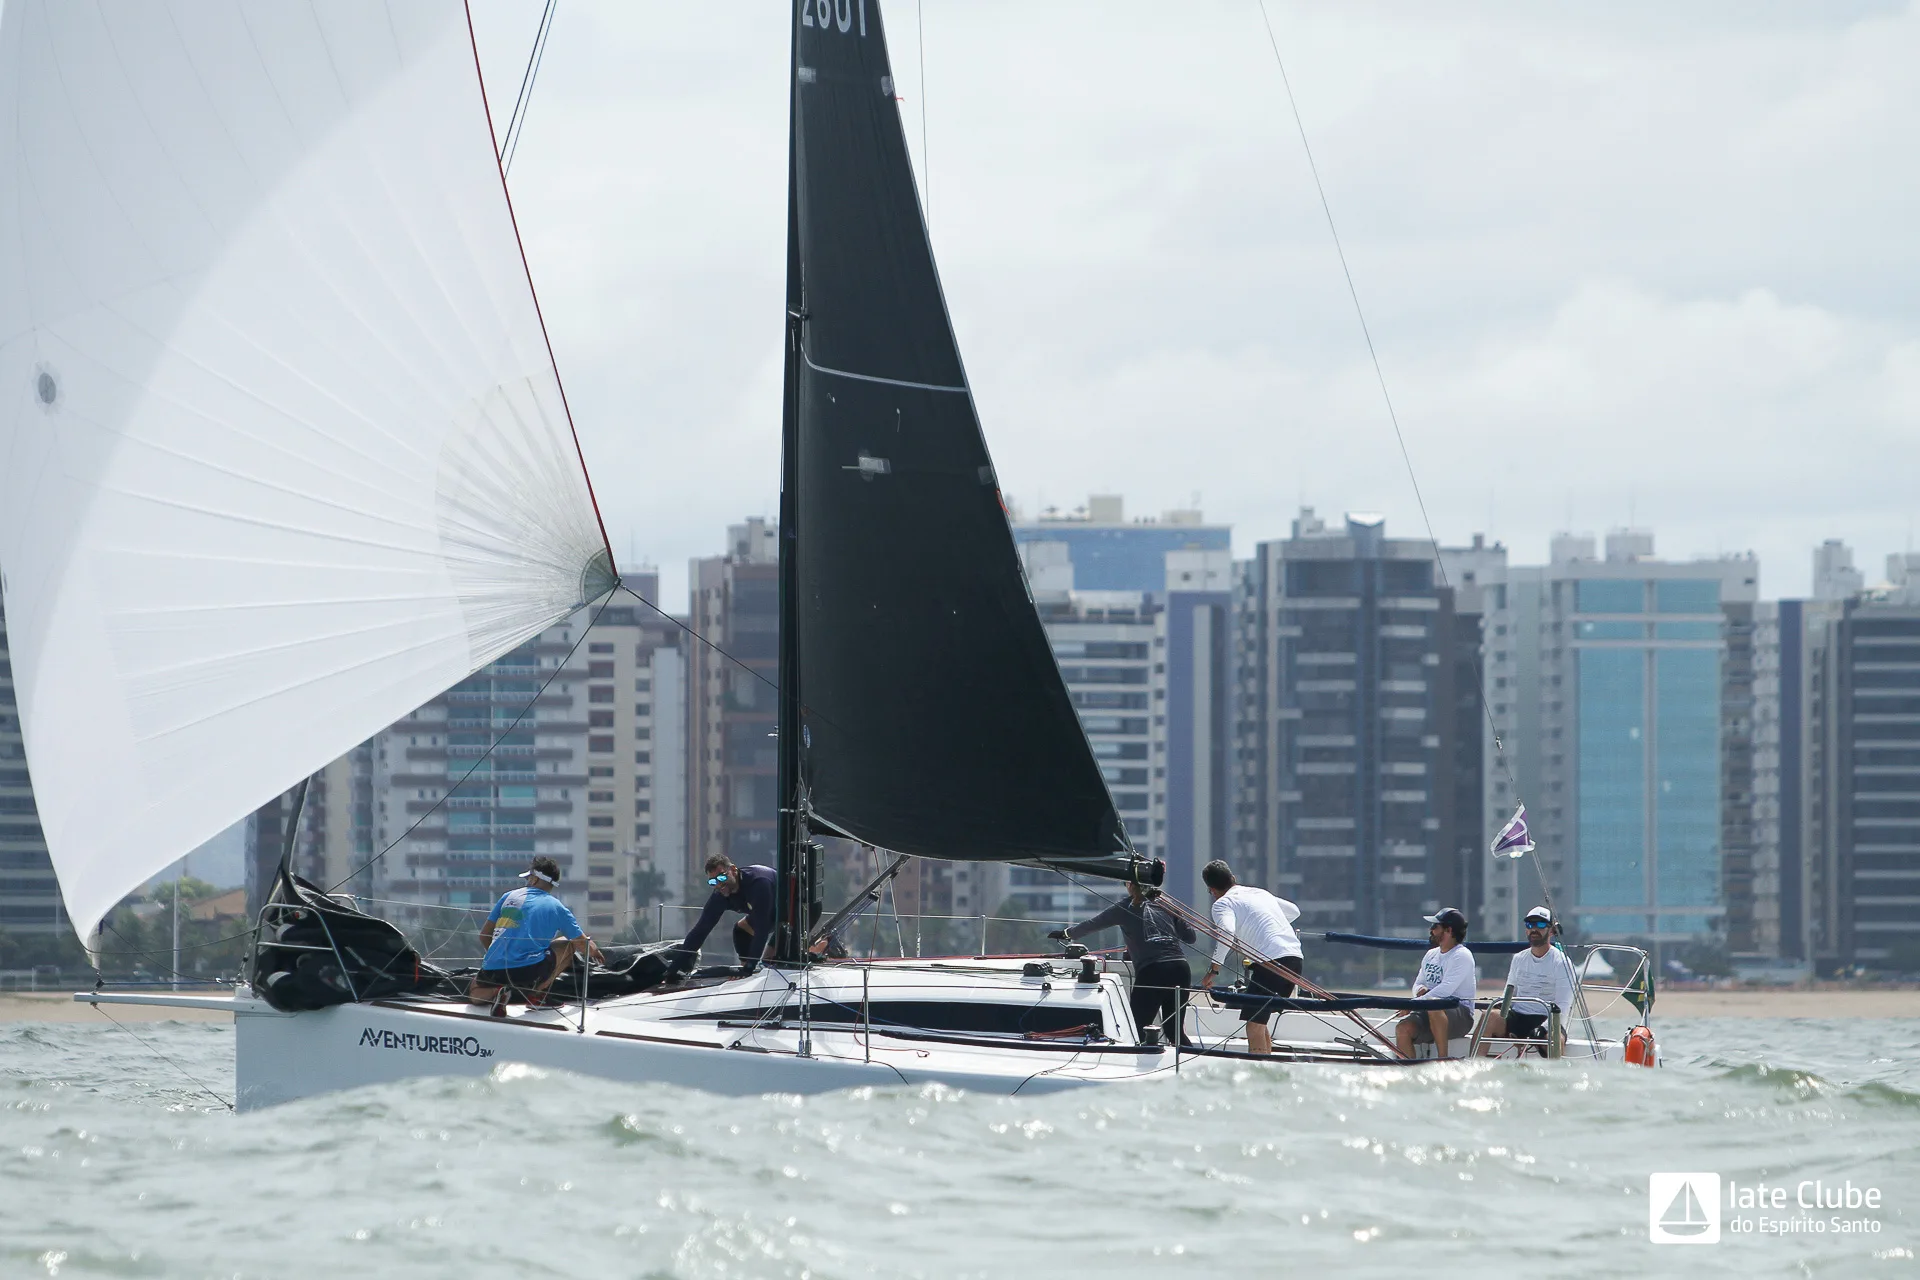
{"points": [[789, 928]]}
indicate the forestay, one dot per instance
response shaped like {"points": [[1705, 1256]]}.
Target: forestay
{"points": [[282, 449]]}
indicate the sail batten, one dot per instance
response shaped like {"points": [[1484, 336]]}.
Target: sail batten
{"points": [[285, 452], [933, 719]]}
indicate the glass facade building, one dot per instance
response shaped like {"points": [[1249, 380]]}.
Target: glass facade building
{"points": [[1110, 553], [1627, 732], [1645, 652]]}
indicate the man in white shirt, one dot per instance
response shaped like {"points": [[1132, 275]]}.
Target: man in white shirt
{"points": [[1446, 973], [1262, 926], [1540, 976]]}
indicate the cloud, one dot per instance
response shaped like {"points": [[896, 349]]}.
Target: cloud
{"points": [[1634, 262]]}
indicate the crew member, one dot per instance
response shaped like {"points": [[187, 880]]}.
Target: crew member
{"points": [[530, 936], [1153, 936], [1540, 976], [1446, 973], [752, 892], [1262, 926]]}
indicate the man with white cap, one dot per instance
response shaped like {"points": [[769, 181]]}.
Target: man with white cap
{"points": [[530, 937], [1541, 976]]}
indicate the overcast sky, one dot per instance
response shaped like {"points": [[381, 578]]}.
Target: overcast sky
{"points": [[1627, 263]]}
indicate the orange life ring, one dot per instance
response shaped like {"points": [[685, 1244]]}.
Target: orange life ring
{"points": [[1639, 1046]]}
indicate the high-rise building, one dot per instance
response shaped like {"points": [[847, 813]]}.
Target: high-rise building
{"points": [[1870, 855], [29, 895], [1619, 730], [1195, 713], [1786, 814], [1148, 658], [1483, 660], [1104, 642], [1357, 726], [1741, 886], [732, 803], [547, 750], [1253, 792], [1776, 764], [1108, 552], [1834, 577]]}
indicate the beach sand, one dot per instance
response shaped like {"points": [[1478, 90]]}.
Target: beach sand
{"points": [[1791, 1003], [21, 1006], [1787, 1003]]}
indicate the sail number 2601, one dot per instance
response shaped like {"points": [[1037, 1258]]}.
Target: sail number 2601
{"points": [[834, 13]]}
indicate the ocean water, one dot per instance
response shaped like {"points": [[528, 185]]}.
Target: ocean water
{"points": [[113, 1164]]}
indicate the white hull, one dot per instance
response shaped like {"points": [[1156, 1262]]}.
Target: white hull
{"points": [[684, 1038], [829, 1033]]}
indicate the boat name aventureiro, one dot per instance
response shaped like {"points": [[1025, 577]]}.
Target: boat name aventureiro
{"points": [[463, 1046]]}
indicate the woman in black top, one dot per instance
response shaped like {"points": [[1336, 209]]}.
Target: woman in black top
{"points": [[1160, 969]]}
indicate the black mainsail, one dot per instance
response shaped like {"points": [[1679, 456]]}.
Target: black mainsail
{"points": [[931, 717]]}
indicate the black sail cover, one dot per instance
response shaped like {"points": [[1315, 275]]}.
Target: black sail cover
{"points": [[935, 721]]}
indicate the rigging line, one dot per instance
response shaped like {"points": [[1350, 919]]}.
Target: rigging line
{"points": [[1181, 911], [447, 793], [893, 906], [168, 951], [869, 855], [1205, 925], [163, 1057], [516, 123], [702, 639], [1393, 416], [546, 338]]}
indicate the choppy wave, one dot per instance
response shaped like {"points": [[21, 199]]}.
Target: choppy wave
{"points": [[112, 1163]]}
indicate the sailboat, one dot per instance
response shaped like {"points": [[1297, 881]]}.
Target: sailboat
{"points": [[286, 455], [1684, 1215]]}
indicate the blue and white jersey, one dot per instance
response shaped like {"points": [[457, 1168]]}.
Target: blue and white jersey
{"points": [[525, 922]]}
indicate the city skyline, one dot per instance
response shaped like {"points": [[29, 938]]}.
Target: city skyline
{"points": [[1707, 338], [1692, 651]]}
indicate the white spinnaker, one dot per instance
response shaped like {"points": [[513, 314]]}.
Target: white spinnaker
{"points": [[282, 449]]}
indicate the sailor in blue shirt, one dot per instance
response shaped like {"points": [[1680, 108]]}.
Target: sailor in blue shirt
{"points": [[530, 936], [749, 890]]}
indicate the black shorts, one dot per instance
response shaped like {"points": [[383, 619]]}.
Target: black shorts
{"points": [[526, 977], [1459, 1024], [1262, 981], [1526, 1026]]}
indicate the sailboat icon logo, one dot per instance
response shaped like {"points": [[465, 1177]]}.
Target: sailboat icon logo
{"points": [[1683, 1208]]}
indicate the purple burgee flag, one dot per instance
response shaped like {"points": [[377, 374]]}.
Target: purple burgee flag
{"points": [[1513, 840]]}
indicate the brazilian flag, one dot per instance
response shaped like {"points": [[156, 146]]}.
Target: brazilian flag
{"points": [[1639, 992]]}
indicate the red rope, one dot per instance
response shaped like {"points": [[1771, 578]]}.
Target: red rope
{"points": [[594, 498]]}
